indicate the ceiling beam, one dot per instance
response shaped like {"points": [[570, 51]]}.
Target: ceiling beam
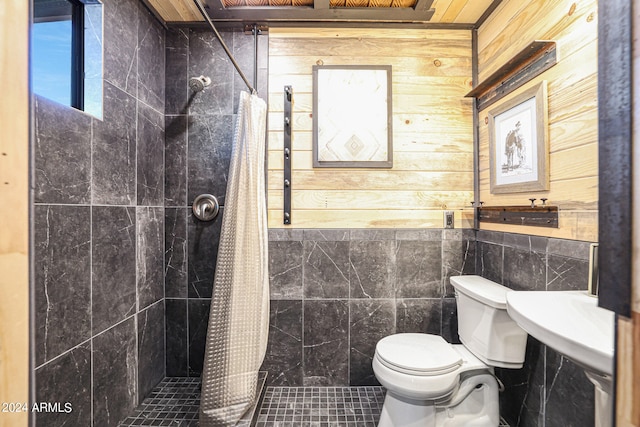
{"points": [[421, 13]]}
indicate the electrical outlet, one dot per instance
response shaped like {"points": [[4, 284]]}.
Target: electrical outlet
{"points": [[448, 219]]}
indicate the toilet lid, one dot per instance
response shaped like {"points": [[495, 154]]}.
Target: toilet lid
{"points": [[421, 354]]}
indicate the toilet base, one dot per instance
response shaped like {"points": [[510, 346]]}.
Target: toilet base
{"points": [[473, 404], [399, 411]]}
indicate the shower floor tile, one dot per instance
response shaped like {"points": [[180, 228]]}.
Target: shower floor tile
{"points": [[175, 402], [321, 406]]}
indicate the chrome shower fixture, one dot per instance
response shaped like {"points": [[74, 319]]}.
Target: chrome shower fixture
{"points": [[199, 83]]}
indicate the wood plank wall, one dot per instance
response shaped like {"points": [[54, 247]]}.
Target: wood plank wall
{"points": [[14, 208], [432, 130], [628, 349], [573, 109]]}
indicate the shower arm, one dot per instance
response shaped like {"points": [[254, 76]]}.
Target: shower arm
{"points": [[224, 45]]}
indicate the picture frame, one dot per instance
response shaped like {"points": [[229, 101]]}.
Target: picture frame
{"points": [[352, 116], [519, 143]]}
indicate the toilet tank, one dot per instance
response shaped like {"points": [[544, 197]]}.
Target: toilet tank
{"points": [[484, 326]]}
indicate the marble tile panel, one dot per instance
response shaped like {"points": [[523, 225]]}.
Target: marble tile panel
{"points": [[495, 237], [569, 394], [369, 322], [175, 161], [263, 51], [419, 315], [326, 343], [209, 155], [203, 240], [522, 402], [458, 234], [285, 270], [206, 57], [524, 270], [175, 252], [458, 258], [418, 269], [489, 261], [326, 269], [372, 234], [326, 234], [114, 265], [424, 234], [151, 348], [569, 248], [283, 360], [66, 379], [244, 52], [115, 370], [149, 255], [150, 157], [285, 234], [114, 150], [449, 328], [176, 337], [263, 83], [567, 274], [526, 242], [121, 44], [177, 57], [198, 318], [151, 60], [61, 153], [372, 269], [62, 279]]}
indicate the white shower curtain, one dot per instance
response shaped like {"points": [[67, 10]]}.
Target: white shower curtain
{"points": [[239, 316]]}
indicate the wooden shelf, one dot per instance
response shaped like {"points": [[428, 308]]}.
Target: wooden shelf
{"points": [[540, 216], [532, 61]]}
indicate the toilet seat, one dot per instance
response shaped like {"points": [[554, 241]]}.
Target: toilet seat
{"points": [[418, 354], [422, 366]]}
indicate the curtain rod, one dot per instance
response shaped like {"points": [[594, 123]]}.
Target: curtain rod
{"points": [[224, 45]]}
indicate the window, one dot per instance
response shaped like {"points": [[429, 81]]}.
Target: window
{"points": [[66, 53]]}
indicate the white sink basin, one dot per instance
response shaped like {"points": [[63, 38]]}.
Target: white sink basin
{"points": [[569, 322]]}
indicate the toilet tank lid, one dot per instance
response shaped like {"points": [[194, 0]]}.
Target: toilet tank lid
{"points": [[481, 289]]}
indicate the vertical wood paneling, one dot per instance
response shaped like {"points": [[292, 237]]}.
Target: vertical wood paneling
{"points": [[573, 107], [432, 124], [14, 209]]}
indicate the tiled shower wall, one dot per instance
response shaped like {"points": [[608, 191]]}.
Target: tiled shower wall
{"points": [[335, 293], [549, 390], [98, 226], [199, 136]]}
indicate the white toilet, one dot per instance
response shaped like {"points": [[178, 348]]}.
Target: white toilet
{"points": [[431, 383]]}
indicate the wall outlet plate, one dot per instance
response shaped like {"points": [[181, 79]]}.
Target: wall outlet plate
{"points": [[448, 219]]}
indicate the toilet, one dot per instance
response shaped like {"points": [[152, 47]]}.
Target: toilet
{"points": [[431, 383]]}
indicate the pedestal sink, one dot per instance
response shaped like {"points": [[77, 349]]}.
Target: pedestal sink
{"points": [[571, 323]]}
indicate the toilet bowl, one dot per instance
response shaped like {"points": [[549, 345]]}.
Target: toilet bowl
{"points": [[431, 383]]}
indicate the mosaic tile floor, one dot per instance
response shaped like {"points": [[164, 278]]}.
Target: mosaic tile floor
{"points": [[175, 402], [321, 406]]}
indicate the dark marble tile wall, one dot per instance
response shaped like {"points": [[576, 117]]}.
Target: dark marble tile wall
{"points": [[197, 152], [335, 293], [549, 390], [99, 226]]}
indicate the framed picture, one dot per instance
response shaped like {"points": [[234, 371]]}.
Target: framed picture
{"points": [[519, 143], [352, 116]]}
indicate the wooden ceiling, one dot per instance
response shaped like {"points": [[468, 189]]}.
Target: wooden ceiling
{"points": [[440, 12]]}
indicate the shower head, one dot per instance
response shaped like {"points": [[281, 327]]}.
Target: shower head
{"points": [[199, 83]]}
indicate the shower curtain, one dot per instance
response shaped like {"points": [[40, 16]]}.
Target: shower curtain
{"points": [[239, 316]]}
